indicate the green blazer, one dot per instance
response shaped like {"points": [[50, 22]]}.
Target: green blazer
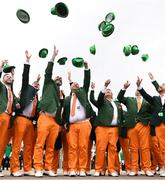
{"points": [[4, 98], [132, 116], [50, 101], [82, 95]]}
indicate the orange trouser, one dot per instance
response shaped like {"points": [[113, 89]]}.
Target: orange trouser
{"points": [[78, 140], [89, 155], [117, 163], [139, 138], [23, 131], [65, 154], [47, 132], [5, 133], [106, 136], [160, 134], [124, 142], [156, 153]]}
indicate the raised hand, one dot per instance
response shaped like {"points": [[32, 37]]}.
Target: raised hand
{"points": [[138, 82], [126, 84], [3, 62], [86, 64], [69, 76], [151, 76], [107, 82], [92, 85], [55, 53], [38, 77], [28, 56]]}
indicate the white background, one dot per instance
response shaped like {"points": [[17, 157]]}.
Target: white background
{"points": [[140, 22]]}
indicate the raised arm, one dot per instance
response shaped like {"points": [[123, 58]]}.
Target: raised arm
{"points": [[120, 96], [2, 63], [49, 69], [154, 82], [92, 96], [87, 77], [146, 96]]}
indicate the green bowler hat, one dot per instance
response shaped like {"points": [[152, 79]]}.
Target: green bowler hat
{"points": [[134, 50], [127, 50], [7, 68], [23, 16], [43, 53], [109, 17], [101, 25], [78, 62], [145, 57], [62, 60], [93, 49], [108, 29], [60, 9]]}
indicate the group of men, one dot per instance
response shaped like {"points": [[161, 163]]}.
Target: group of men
{"points": [[43, 124]]}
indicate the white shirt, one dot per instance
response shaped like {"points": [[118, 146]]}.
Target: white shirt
{"points": [[162, 99], [28, 110], [115, 114], [79, 112]]}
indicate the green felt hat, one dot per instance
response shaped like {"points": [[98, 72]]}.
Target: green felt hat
{"points": [[7, 68], [101, 25], [127, 50], [23, 16], [93, 49], [62, 60], [108, 29], [60, 9], [43, 53], [109, 17], [134, 50], [78, 62], [145, 57]]}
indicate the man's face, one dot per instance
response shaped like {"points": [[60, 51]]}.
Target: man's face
{"points": [[36, 85], [7, 79], [58, 80], [162, 89], [108, 94], [75, 86], [137, 93]]}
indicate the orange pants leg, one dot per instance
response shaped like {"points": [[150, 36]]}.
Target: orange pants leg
{"points": [[89, 155], [4, 133], [55, 163], [47, 132]]}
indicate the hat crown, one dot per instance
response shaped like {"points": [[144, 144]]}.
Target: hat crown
{"points": [[60, 9], [78, 62]]}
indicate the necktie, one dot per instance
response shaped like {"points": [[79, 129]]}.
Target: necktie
{"points": [[138, 103], [72, 113], [34, 106], [9, 110]]}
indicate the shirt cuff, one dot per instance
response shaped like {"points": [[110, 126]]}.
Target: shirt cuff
{"points": [[51, 60], [104, 89], [152, 80], [28, 63], [139, 88], [123, 89]]}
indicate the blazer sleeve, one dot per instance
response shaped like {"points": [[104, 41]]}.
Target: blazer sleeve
{"points": [[156, 85], [146, 96], [100, 100], [121, 97], [87, 77], [25, 76], [92, 99], [48, 72], [0, 80]]}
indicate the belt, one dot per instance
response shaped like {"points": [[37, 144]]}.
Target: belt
{"points": [[113, 126], [30, 118], [79, 121]]}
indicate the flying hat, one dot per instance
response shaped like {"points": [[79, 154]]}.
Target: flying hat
{"points": [[62, 60], [93, 49], [127, 50], [101, 25], [108, 29], [145, 57], [60, 9], [23, 16], [78, 62], [134, 50], [109, 17], [7, 68], [43, 53]]}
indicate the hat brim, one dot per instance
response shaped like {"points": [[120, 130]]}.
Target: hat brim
{"points": [[42, 54], [109, 17], [101, 25], [62, 60], [106, 32], [23, 16], [78, 62], [8, 69]]}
